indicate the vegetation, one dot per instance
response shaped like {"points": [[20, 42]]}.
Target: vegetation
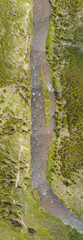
{"points": [[65, 58], [21, 216], [15, 88]]}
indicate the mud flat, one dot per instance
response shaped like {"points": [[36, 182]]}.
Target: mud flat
{"points": [[42, 134]]}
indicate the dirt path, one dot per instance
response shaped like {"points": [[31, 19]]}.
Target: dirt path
{"points": [[42, 134]]}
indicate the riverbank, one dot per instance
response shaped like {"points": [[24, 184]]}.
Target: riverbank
{"points": [[42, 135]]}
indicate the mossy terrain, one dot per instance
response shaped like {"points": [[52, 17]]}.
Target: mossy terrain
{"points": [[46, 99], [65, 53], [22, 217]]}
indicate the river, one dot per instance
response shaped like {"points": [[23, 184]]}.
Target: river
{"points": [[42, 134]]}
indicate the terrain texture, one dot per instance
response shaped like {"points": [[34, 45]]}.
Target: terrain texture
{"points": [[42, 134]]}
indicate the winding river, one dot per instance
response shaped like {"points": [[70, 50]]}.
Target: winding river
{"points": [[42, 134]]}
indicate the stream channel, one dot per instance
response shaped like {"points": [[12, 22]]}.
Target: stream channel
{"points": [[42, 134]]}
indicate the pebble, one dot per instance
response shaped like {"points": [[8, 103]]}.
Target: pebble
{"points": [[44, 194], [39, 94], [33, 93]]}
